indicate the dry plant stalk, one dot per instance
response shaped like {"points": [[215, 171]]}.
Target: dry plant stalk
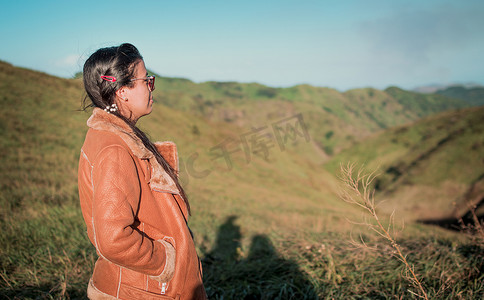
{"points": [[477, 224], [477, 227], [357, 191]]}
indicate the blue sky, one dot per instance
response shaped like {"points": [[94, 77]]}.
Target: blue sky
{"points": [[338, 44]]}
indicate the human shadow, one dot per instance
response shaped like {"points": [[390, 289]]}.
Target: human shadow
{"points": [[262, 274], [228, 241]]}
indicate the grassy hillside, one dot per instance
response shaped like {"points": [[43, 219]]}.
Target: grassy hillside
{"points": [[268, 222], [336, 120], [474, 96], [424, 104], [427, 167]]}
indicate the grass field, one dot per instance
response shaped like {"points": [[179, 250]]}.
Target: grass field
{"points": [[267, 225]]}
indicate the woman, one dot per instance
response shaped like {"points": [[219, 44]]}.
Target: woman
{"points": [[134, 207]]}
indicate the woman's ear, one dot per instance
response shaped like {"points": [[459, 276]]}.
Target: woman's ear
{"points": [[121, 93]]}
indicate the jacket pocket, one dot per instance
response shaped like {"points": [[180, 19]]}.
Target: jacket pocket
{"points": [[129, 292], [170, 261]]}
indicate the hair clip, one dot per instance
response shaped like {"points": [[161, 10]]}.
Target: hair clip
{"points": [[109, 78]]}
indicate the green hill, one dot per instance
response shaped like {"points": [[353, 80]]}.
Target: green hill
{"points": [[474, 96], [424, 104], [335, 120], [428, 167], [267, 219]]}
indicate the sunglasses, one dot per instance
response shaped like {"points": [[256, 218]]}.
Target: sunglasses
{"points": [[150, 81]]}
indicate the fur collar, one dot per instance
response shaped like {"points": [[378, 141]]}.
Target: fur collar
{"points": [[160, 180]]}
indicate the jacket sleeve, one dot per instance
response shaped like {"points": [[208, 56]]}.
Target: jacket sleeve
{"points": [[115, 202]]}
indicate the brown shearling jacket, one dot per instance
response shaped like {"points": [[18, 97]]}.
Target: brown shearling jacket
{"points": [[135, 217]]}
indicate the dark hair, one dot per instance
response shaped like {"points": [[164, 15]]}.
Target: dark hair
{"points": [[119, 62]]}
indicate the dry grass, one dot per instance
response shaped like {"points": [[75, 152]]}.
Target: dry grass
{"points": [[358, 192]]}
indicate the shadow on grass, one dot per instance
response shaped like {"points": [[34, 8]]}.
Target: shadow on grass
{"points": [[43, 292], [262, 274], [466, 222]]}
